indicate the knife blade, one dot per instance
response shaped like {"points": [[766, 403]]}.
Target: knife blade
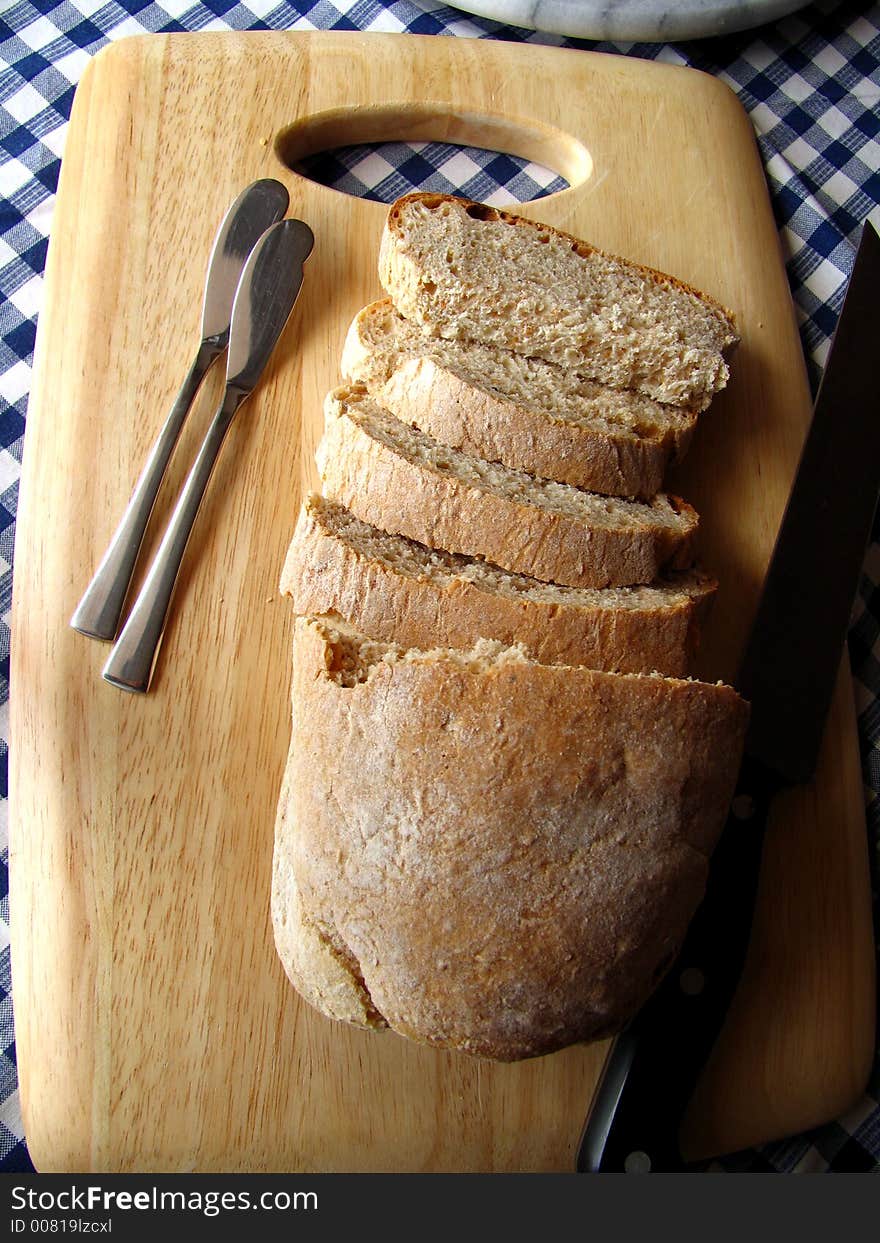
{"points": [[787, 673]]}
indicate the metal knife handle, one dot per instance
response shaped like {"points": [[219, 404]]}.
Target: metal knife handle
{"points": [[98, 612], [133, 658], [653, 1067]]}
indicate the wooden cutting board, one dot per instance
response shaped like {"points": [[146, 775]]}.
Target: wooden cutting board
{"points": [[155, 1028]]}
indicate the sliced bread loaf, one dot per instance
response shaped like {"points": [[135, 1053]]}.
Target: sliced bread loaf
{"points": [[394, 589], [486, 853], [400, 480], [465, 270], [521, 411]]}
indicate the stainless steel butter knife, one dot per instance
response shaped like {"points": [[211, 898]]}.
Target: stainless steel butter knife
{"points": [[270, 284], [788, 674]]}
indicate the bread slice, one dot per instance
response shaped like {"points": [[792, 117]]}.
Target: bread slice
{"points": [[465, 270], [503, 856], [524, 412], [394, 589], [400, 480]]}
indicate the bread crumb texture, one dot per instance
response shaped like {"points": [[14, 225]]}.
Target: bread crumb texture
{"points": [[395, 477], [523, 412], [398, 590], [463, 270]]}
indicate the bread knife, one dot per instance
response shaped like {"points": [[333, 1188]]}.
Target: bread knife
{"points": [[788, 674]]}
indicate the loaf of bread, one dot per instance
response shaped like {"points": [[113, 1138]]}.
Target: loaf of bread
{"points": [[394, 589], [502, 790], [400, 480], [505, 407], [486, 853], [464, 270]]}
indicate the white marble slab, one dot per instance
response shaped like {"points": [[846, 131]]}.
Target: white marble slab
{"points": [[651, 21]]}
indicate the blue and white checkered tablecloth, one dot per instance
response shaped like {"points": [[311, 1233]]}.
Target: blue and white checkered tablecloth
{"points": [[811, 84]]}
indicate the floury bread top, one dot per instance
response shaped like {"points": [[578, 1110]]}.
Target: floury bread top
{"points": [[486, 853]]}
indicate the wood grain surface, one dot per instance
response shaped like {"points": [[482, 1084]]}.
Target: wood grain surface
{"points": [[155, 1028]]}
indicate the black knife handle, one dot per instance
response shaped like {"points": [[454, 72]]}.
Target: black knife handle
{"points": [[653, 1066]]}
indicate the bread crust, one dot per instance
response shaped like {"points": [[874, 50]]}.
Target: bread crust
{"points": [[386, 489], [319, 970], [440, 300], [324, 573], [481, 421], [509, 852]]}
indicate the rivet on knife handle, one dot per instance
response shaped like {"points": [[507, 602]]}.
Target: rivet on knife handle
{"points": [[270, 283], [253, 212]]}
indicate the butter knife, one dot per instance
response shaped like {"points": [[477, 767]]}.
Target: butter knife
{"points": [[253, 212], [270, 284]]}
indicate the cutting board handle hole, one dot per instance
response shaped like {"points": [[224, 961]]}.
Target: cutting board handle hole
{"points": [[316, 146]]}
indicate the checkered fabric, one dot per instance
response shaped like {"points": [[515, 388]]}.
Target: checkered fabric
{"points": [[811, 85]]}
